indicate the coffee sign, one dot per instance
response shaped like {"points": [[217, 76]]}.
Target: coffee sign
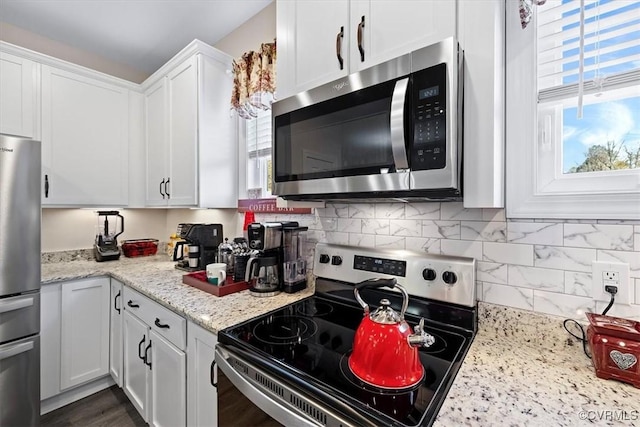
{"points": [[267, 206]]}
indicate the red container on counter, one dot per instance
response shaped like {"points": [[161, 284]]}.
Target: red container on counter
{"points": [[139, 247], [615, 347]]}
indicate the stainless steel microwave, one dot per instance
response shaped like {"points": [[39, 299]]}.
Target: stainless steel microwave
{"points": [[392, 131]]}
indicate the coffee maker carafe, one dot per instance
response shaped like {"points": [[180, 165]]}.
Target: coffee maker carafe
{"points": [[264, 273]]}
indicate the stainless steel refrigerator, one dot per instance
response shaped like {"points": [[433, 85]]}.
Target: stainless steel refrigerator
{"points": [[20, 164]]}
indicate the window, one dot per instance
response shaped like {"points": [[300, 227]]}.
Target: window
{"points": [[573, 110], [259, 166]]}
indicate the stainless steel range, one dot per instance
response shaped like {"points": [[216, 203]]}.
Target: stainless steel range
{"points": [[293, 363]]}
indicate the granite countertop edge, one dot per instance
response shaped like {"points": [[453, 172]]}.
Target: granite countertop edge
{"points": [[521, 369]]}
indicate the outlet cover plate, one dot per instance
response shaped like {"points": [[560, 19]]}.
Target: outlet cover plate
{"points": [[598, 270]]}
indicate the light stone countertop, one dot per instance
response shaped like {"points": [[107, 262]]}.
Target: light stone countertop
{"points": [[522, 368], [157, 278]]}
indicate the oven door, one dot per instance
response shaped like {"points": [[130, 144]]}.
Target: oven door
{"points": [[249, 395], [345, 137]]}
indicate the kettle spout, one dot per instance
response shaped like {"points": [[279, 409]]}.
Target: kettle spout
{"points": [[420, 338]]}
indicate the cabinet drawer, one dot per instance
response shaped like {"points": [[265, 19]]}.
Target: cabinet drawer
{"points": [[165, 322]]}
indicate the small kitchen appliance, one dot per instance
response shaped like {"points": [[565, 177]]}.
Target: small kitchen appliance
{"points": [[615, 347], [293, 363], [294, 248], [205, 238], [105, 247]]}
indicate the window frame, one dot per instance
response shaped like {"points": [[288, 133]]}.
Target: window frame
{"points": [[534, 190]]}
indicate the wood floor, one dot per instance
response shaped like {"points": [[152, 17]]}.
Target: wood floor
{"points": [[107, 408]]}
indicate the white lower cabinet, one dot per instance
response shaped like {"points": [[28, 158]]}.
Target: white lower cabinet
{"points": [[155, 362], [202, 394], [115, 332], [50, 340]]}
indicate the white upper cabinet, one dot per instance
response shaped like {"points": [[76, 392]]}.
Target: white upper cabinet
{"points": [[191, 138], [18, 84], [313, 36], [387, 29], [84, 140]]}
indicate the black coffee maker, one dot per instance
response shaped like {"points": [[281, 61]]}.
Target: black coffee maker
{"points": [[202, 242]]}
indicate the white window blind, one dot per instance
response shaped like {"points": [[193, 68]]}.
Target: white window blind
{"points": [[259, 132], [607, 54], [258, 137]]}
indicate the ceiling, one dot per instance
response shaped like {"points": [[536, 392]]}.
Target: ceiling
{"points": [[142, 34]]}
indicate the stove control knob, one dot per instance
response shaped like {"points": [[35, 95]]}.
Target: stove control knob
{"points": [[336, 260], [429, 274], [324, 259], [449, 277]]}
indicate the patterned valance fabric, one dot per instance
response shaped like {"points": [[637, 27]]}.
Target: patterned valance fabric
{"points": [[254, 81], [526, 10]]}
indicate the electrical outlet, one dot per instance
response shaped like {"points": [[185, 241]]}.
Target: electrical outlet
{"points": [[610, 274]]}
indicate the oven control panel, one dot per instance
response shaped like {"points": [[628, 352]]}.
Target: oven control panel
{"points": [[444, 278]]}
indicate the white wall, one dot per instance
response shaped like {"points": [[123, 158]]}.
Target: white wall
{"points": [[250, 35]]}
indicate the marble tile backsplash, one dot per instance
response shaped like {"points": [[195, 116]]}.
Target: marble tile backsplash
{"points": [[538, 265]]}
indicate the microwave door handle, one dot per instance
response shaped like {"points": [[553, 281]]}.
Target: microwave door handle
{"points": [[396, 124]]}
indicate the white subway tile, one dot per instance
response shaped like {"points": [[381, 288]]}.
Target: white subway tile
{"points": [[508, 253], [362, 210], [315, 236], [457, 211], [537, 233], [349, 225], [478, 291], [330, 210], [342, 211], [490, 214], [576, 283], [375, 226], [431, 246], [636, 238], [392, 242], [365, 240], [337, 237], [599, 236], [441, 229], [492, 272], [570, 306], [631, 258], [538, 278], [422, 210], [329, 224], [507, 295], [483, 231], [631, 311], [619, 221], [405, 227], [464, 248], [389, 210], [574, 259]]}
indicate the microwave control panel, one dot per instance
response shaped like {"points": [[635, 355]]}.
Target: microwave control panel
{"points": [[429, 118]]}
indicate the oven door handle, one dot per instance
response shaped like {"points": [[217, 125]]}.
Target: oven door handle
{"points": [[273, 408], [396, 124]]}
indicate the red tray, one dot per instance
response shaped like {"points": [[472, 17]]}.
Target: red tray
{"points": [[198, 280]]}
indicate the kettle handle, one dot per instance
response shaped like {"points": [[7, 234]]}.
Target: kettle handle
{"points": [[381, 283]]}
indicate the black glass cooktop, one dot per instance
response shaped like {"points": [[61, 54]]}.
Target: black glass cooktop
{"points": [[312, 339]]}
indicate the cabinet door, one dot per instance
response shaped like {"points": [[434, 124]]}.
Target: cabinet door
{"points": [[202, 402], [85, 331], [307, 33], [115, 332], [182, 91], [49, 340], [84, 140], [17, 95], [157, 147], [136, 372], [395, 28], [168, 384]]}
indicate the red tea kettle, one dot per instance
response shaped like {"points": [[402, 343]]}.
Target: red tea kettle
{"points": [[385, 351]]}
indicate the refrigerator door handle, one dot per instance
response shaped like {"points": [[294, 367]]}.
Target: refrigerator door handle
{"points": [[16, 349], [16, 304]]}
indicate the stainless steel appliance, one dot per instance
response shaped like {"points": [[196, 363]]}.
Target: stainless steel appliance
{"points": [[294, 257], [391, 131], [292, 364], [202, 240], [106, 247], [20, 182]]}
